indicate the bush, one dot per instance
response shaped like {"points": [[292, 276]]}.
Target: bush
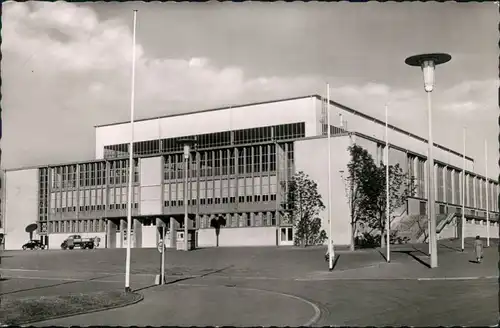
{"points": [[367, 240], [395, 239]]}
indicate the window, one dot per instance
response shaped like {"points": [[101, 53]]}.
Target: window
{"points": [[253, 135], [289, 131], [448, 187], [440, 183], [272, 161], [149, 147], [423, 208], [264, 158], [273, 218]]}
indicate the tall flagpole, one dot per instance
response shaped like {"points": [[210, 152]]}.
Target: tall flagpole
{"points": [[330, 237], [131, 162], [487, 194], [463, 192], [387, 202]]}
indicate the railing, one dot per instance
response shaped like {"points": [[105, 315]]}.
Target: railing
{"points": [[443, 222]]}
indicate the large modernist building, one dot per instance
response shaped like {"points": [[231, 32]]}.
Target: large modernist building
{"points": [[239, 167]]}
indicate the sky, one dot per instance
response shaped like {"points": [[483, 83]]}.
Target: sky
{"points": [[66, 67]]}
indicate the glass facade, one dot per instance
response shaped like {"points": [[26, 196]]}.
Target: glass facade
{"points": [[212, 140], [449, 186], [243, 177], [76, 197], [241, 169]]}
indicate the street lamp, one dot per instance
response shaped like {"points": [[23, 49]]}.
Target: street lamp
{"points": [[187, 143], [428, 62]]}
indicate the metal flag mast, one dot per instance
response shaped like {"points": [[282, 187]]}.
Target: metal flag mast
{"points": [[487, 194], [463, 191], [387, 204], [330, 238], [131, 162]]}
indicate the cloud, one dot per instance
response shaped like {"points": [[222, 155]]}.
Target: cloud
{"points": [[68, 70], [470, 97], [68, 41]]}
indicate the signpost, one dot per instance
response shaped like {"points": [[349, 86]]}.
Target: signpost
{"points": [[161, 249]]}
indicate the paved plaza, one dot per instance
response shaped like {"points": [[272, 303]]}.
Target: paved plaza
{"points": [[269, 286]]}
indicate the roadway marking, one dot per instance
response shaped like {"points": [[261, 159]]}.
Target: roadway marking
{"points": [[310, 322], [399, 278], [458, 278], [324, 277], [63, 279], [84, 272]]}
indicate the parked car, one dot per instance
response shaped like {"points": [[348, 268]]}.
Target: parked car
{"points": [[33, 244], [77, 241]]}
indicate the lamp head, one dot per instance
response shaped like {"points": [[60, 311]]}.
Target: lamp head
{"points": [[187, 143], [428, 62]]}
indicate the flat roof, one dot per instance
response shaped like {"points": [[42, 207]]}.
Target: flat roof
{"points": [[343, 107], [395, 128], [208, 110]]}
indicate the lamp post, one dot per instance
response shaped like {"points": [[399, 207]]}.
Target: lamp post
{"points": [[187, 143], [428, 62]]}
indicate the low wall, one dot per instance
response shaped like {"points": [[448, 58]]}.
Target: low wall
{"points": [[252, 236], [149, 237], [472, 229]]}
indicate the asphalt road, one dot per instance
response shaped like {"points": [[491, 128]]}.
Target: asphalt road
{"points": [[267, 286]]}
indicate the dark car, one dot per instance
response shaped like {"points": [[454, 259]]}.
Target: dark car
{"points": [[33, 244]]}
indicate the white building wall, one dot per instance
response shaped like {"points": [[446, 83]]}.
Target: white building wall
{"points": [[472, 229], [151, 180], [254, 236], [311, 156], [149, 236], [244, 117], [21, 206]]}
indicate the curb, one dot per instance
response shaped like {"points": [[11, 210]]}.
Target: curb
{"points": [[399, 278], [27, 323]]}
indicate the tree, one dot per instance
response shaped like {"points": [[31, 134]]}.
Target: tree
{"points": [[374, 213], [303, 203], [361, 171], [217, 223]]}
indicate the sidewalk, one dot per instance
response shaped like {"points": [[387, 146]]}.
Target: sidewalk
{"points": [[411, 262]]}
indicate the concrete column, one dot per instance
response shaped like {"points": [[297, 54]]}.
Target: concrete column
{"points": [[243, 220], [173, 226], [260, 219], [137, 226], [110, 234], [123, 226]]}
